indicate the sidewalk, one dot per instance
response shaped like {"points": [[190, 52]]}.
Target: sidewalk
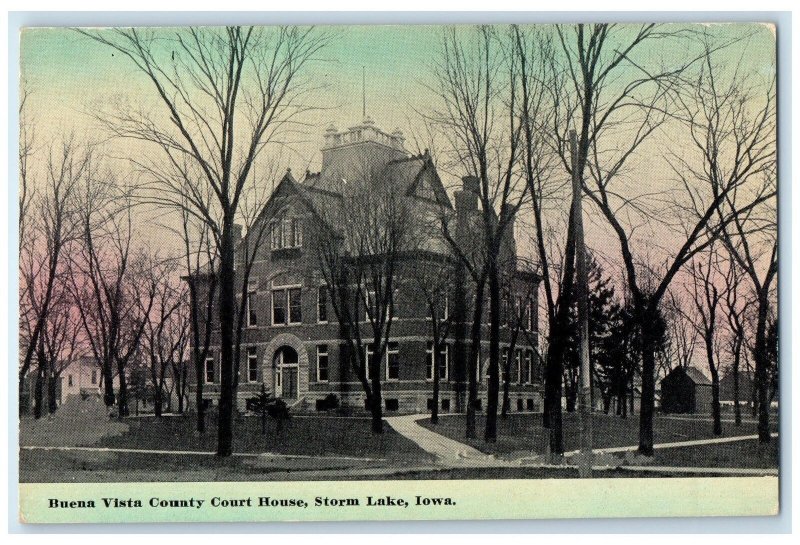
{"points": [[448, 452], [453, 454]]}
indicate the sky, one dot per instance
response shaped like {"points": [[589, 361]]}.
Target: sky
{"points": [[71, 77]]}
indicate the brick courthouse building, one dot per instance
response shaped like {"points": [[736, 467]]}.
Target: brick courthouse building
{"points": [[292, 342]]}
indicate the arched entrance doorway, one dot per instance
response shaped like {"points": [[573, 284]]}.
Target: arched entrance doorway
{"points": [[286, 366]]}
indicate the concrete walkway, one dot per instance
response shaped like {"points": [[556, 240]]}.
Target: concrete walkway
{"points": [[448, 452]]}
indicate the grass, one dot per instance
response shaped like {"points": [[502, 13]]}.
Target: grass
{"points": [[300, 436], [746, 454], [524, 432]]}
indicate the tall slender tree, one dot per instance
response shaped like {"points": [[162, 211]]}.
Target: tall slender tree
{"points": [[226, 94]]}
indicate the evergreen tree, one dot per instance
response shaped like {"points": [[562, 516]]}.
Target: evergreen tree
{"points": [[604, 315]]}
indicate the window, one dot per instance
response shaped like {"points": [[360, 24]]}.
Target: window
{"points": [[278, 307], [252, 319], [446, 405], [393, 361], [94, 376], [295, 314], [503, 365], [444, 358], [297, 233], [527, 368], [286, 303], [69, 380], [530, 315], [442, 308], [322, 363], [275, 235], [252, 364], [520, 406], [286, 233], [370, 307], [368, 354], [209, 370], [322, 304], [518, 364], [529, 404], [392, 404]]}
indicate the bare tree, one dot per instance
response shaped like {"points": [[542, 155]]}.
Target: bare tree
{"points": [[732, 120], [104, 284], [707, 301], [434, 276], [477, 87], [361, 243], [541, 87], [199, 256], [166, 328], [736, 306], [227, 93], [640, 100], [61, 343], [51, 225]]}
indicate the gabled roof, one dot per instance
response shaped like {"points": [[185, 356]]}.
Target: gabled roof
{"points": [[697, 376]]}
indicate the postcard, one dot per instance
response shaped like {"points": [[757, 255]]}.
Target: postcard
{"points": [[407, 272]]}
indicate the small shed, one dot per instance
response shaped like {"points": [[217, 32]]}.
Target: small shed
{"points": [[685, 390]]}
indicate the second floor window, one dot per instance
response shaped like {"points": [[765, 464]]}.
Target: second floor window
{"points": [[295, 308], [252, 364], [94, 377], [322, 304], [393, 361], [252, 318], [278, 307], [286, 306]]}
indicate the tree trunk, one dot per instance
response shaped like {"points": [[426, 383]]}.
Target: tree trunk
{"points": [[52, 402], [507, 386], [490, 434], [107, 370], [376, 398], [122, 401], [647, 409], [227, 304], [38, 391], [157, 401], [737, 408], [474, 362], [198, 395], [716, 412], [570, 393], [436, 361], [762, 364]]}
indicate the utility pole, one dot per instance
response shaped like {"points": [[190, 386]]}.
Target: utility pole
{"points": [[582, 293]]}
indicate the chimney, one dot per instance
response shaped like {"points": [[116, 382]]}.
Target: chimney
{"points": [[467, 198], [237, 232]]}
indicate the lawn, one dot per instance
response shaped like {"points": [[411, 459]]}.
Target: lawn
{"points": [[524, 433], [317, 436], [748, 454], [50, 466], [306, 444]]}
